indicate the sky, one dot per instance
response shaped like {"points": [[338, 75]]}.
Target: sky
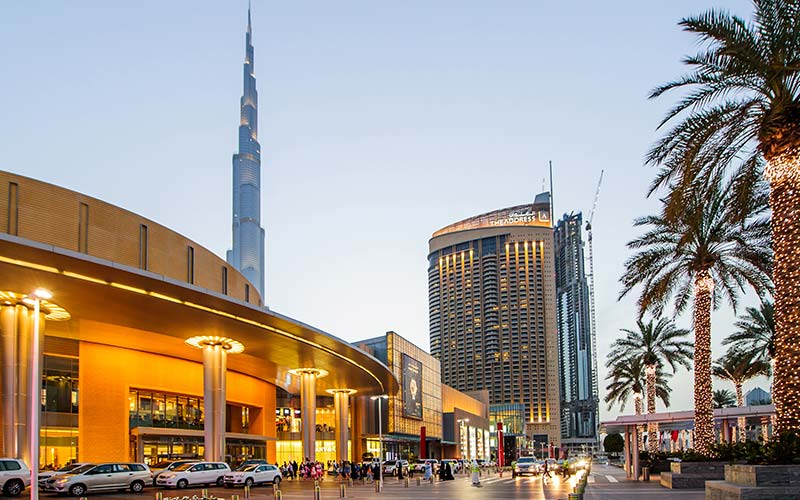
{"points": [[379, 123]]}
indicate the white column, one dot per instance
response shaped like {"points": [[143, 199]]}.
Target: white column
{"points": [[34, 398], [341, 400], [636, 453], [214, 375], [308, 412], [627, 452]]}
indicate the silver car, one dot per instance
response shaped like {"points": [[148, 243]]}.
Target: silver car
{"points": [[101, 477]]}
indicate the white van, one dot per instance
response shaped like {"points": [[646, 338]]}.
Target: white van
{"points": [[198, 473], [14, 476]]}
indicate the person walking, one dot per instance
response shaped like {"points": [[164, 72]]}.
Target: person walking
{"points": [[476, 473], [546, 472], [428, 471]]}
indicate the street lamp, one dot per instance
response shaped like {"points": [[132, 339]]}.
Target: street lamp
{"points": [[380, 439], [35, 391]]}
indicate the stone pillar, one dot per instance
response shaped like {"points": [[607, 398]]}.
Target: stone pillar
{"points": [[215, 371], [215, 364], [308, 408], [627, 452], [16, 324], [636, 453], [341, 402]]}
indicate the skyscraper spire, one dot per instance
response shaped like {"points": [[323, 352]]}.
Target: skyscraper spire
{"points": [[247, 254]]}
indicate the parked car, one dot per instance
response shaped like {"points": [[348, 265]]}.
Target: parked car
{"points": [[198, 473], [419, 465], [99, 477], [45, 475], [253, 474], [525, 465], [249, 462], [14, 476], [391, 467], [167, 466]]}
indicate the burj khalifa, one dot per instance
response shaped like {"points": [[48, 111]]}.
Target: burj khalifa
{"points": [[247, 254]]}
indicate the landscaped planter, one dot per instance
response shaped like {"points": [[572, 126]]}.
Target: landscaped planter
{"points": [[750, 482], [686, 475]]}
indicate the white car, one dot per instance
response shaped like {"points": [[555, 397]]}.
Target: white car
{"points": [[14, 476], [200, 473], [252, 475], [109, 476], [47, 474]]}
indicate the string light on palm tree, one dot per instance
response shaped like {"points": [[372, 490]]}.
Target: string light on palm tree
{"points": [[738, 367]]}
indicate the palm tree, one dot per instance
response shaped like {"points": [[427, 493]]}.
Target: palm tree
{"points": [[627, 378], [701, 256], [723, 398], [654, 344], [756, 332], [738, 367], [739, 109]]}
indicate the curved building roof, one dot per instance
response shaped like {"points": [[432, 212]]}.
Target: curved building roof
{"points": [[89, 254], [531, 214]]}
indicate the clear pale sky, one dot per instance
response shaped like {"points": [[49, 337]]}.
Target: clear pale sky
{"points": [[379, 122]]}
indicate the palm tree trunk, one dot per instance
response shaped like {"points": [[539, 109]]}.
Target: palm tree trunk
{"points": [[652, 427], [783, 173], [703, 405], [637, 408], [741, 421]]}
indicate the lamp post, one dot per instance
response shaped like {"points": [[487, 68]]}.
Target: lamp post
{"points": [[380, 439], [35, 390]]}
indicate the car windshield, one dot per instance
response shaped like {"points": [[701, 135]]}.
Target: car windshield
{"points": [[249, 467], [162, 465], [82, 469], [68, 468], [526, 460], [182, 467], [390, 462]]}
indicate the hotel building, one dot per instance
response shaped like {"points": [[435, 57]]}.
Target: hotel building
{"points": [[491, 289]]}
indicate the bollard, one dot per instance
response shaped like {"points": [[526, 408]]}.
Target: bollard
{"points": [[418, 481], [377, 486], [247, 492], [317, 494], [350, 482], [342, 490], [278, 495], [575, 496], [316, 483], [406, 483], [160, 495], [234, 497], [204, 493]]}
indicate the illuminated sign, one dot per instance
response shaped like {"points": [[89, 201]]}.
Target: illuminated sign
{"points": [[521, 217], [412, 387]]}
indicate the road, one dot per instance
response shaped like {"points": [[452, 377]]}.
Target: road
{"points": [[604, 482]]}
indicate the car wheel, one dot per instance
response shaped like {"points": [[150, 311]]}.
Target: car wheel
{"points": [[248, 482], [77, 490], [182, 484], [137, 486], [277, 480], [13, 488], [220, 480]]}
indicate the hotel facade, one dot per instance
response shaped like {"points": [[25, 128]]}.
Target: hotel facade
{"points": [[491, 295]]}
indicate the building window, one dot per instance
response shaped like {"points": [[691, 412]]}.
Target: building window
{"points": [[246, 292], [190, 264], [83, 228], [143, 247], [13, 209], [224, 280]]}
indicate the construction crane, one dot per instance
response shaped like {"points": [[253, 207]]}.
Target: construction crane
{"points": [[592, 323]]}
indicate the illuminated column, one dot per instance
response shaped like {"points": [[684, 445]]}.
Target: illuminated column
{"points": [[341, 405], [215, 368], [15, 325], [636, 452], [308, 408], [627, 451]]}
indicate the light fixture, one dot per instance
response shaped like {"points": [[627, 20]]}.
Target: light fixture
{"points": [[229, 345]]}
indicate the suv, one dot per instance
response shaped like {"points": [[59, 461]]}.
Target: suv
{"points": [[14, 476], [204, 473], [109, 476], [390, 467], [253, 474], [163, 467], [45, 475], [525, 465]]}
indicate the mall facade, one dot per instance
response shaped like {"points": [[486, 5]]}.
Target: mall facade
{"points": [[154, 348]]}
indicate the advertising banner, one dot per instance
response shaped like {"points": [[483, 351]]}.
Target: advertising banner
{"points": [[412, 387]]}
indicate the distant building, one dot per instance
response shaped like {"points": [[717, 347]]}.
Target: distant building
{"points": [[492, 311], [577, 359], [756, 397]]}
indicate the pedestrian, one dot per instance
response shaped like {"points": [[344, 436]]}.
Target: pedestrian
{"points": [[476, 473], [428, 471], [448, 476], [546, 472], [565, 468]]}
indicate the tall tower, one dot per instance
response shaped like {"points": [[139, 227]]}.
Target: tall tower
{"points": [[247, 254], [491, 293], [579, 397]]}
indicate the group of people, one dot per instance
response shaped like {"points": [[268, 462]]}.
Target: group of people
{"points": [[304, 470]]}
